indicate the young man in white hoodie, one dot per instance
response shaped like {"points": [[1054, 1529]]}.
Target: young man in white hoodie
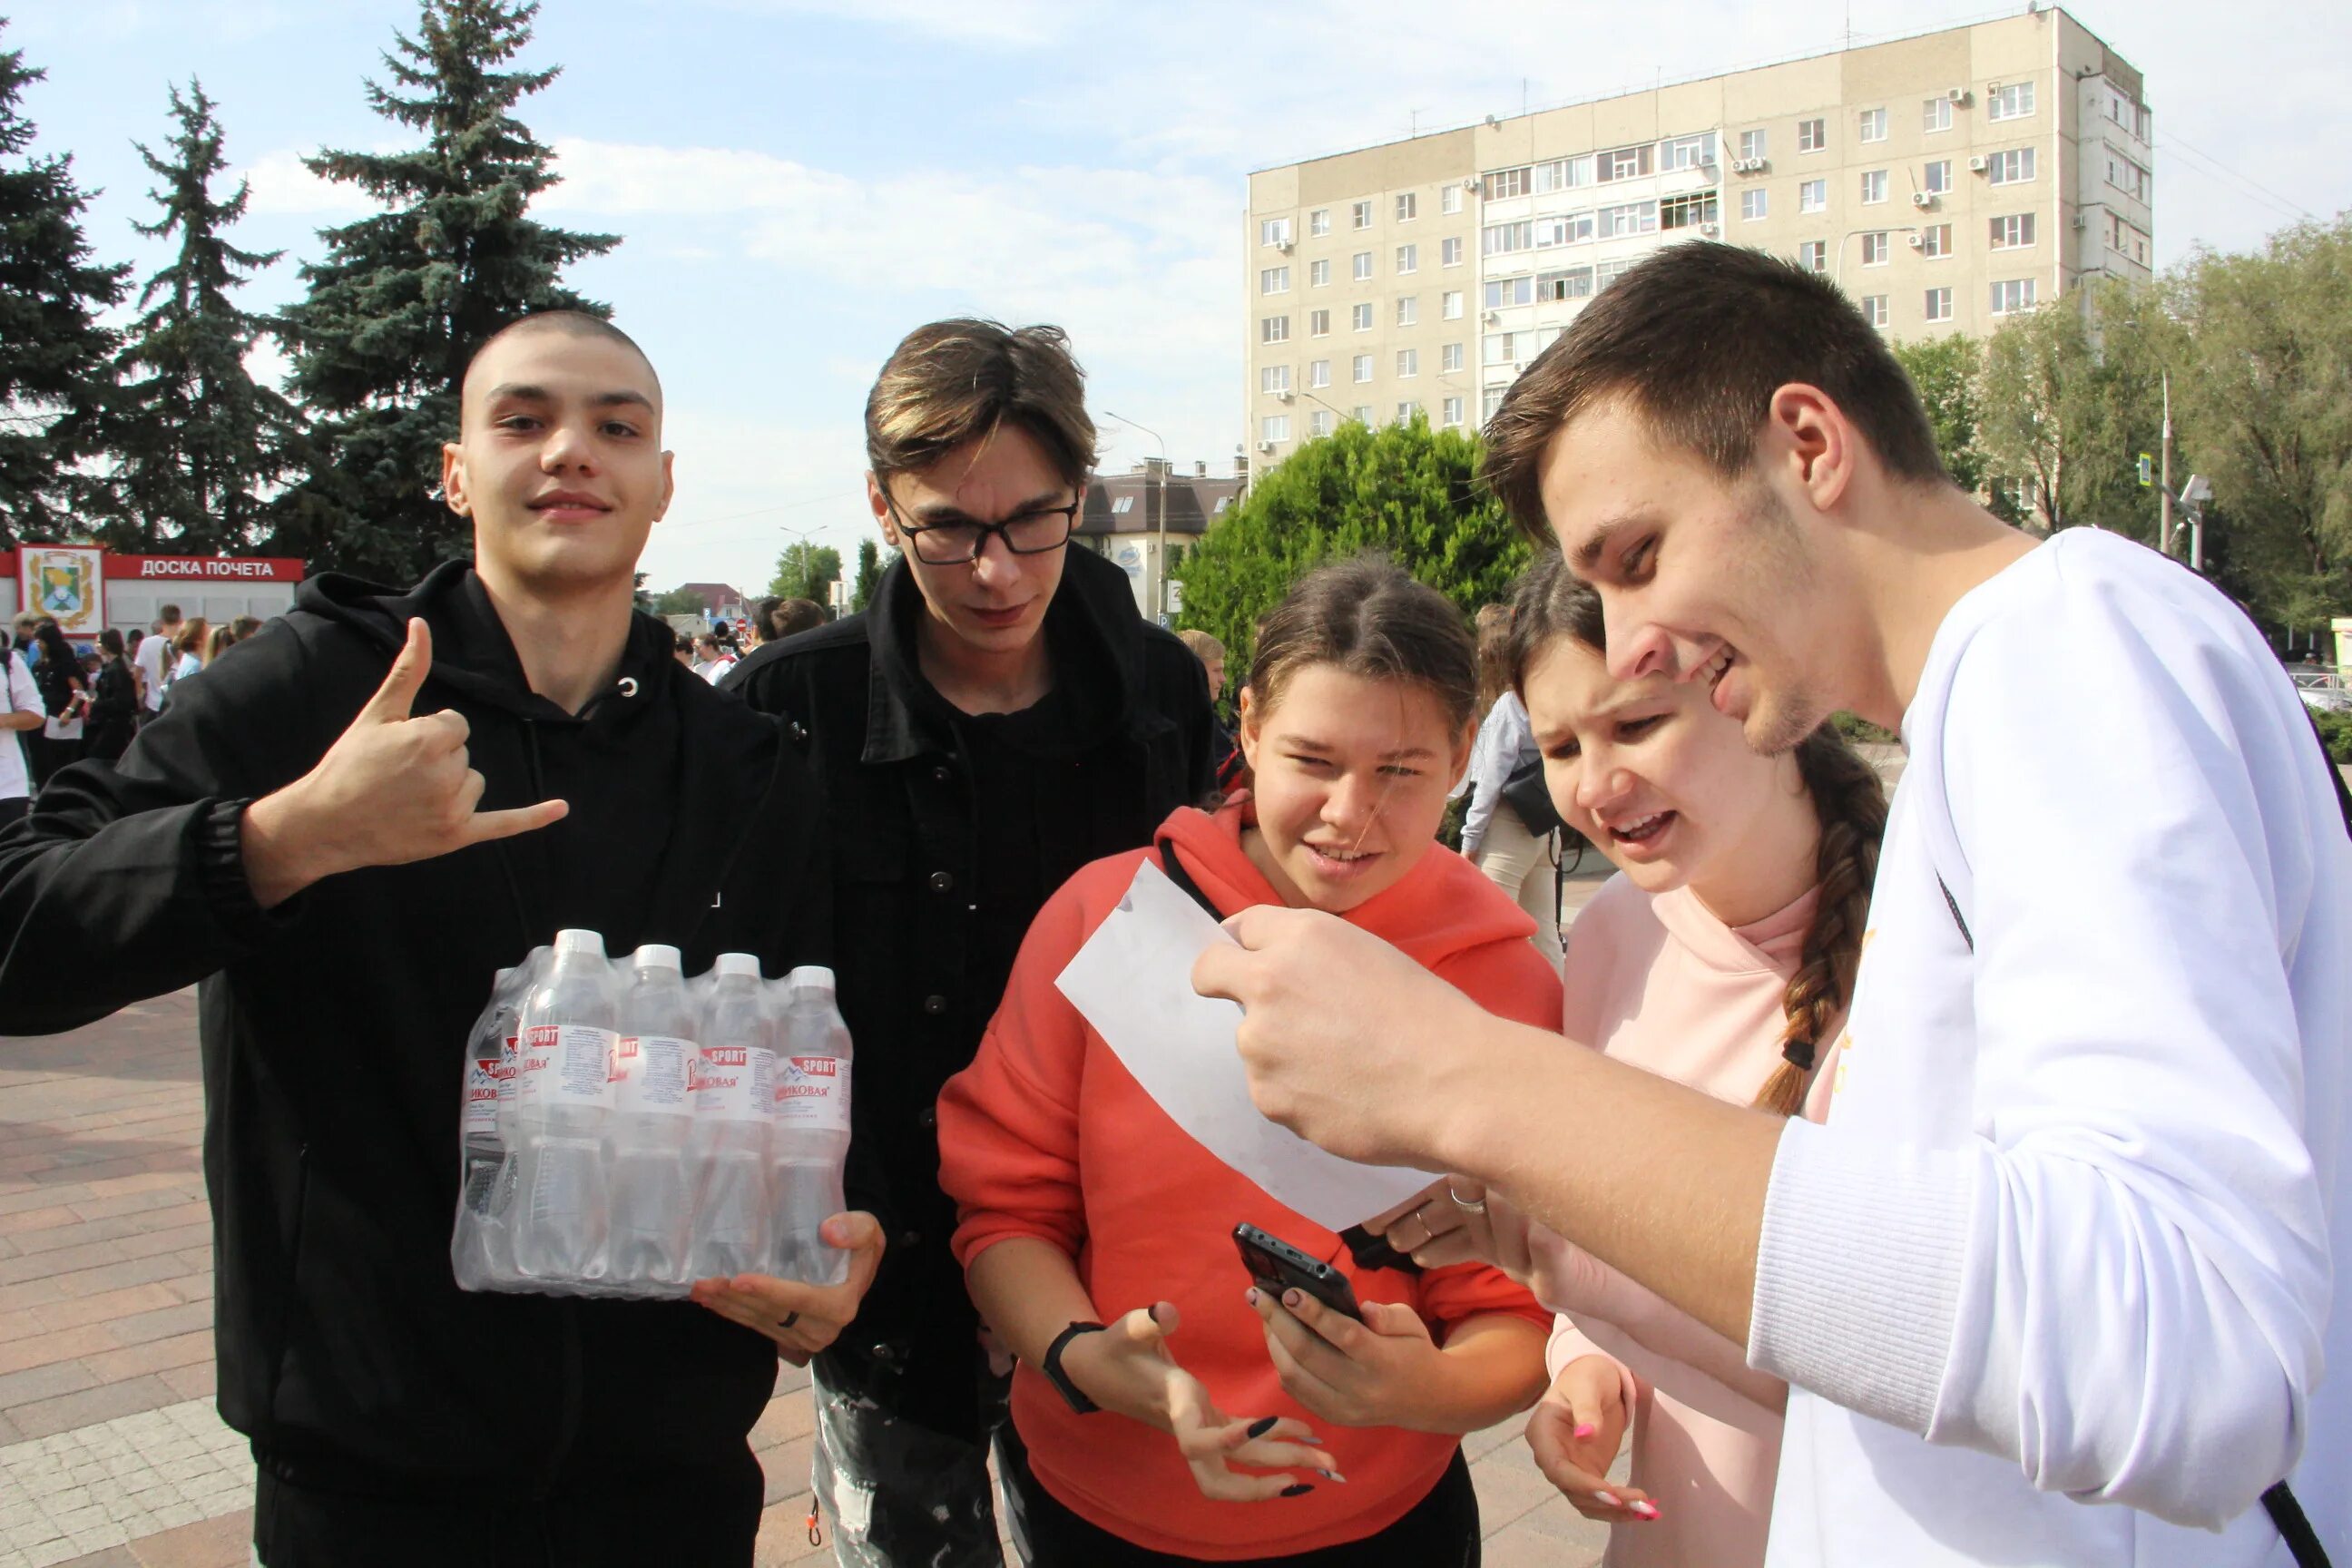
{"points": [[2056, 1282]]}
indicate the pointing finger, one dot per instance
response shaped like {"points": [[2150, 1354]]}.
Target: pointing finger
{"points": [[485, 826], [397, 696]]}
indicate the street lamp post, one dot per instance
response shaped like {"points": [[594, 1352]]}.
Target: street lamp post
{"points": [[1837, 272], [1160, 570]]}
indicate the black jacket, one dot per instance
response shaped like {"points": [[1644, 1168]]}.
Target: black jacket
{"points": [[904, 831], [333, 1027]]}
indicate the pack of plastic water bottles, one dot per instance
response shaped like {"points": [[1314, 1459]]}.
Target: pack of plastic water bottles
{"points": [[628, 1132]]}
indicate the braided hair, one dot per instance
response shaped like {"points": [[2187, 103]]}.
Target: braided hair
{"points": [[1848, 800]]}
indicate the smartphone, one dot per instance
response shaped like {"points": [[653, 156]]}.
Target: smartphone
{"points": [[1275, 1264]]}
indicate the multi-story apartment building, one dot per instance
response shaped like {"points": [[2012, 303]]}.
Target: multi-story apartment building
{"points": [[1943, 181]]}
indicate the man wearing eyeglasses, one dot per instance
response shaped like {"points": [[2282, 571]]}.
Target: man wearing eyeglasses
{"points": [[997, 718]]}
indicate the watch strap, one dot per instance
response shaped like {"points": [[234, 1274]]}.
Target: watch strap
{"points": [[1051, 1366]]}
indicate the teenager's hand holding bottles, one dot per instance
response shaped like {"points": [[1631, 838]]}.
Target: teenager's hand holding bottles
{"points": [[802, 1319], [1574, 1433]]}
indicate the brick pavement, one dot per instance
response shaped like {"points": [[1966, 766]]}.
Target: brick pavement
{"points": [[110, 1453]]}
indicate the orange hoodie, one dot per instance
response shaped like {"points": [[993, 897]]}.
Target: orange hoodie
{"points": [[1046, 1134]]}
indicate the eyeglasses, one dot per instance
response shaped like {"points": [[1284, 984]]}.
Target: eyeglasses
{"points": [[952, 544]]}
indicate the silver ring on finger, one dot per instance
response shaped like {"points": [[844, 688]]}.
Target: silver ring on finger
{"points": [[1464, 1204]]}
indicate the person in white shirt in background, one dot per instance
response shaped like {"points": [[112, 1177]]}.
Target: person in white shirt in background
{"points": [[1495, 838], [2056, 1283], [21, 713], [153, 659], [711, 659]]}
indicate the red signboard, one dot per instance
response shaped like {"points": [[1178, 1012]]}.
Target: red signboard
{"points": [[207, 568]]}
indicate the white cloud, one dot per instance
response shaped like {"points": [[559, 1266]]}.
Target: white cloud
{"points": [[282, 185]]}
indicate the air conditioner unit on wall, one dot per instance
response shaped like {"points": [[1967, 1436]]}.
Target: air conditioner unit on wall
{"points": [[1958, 95], [1266, 446], [1710, 230], [1917, 240], [1282, 396], [1923, 200], [1976, 164], [1284, 246], [1992, 86], [2082, 220], [1473, 183]]}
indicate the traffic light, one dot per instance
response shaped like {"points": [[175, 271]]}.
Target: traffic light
{"points": [[2146, 471]]}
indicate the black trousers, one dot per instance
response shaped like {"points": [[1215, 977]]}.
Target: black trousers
{"points": [[702, 1518], [1441, 1531]]}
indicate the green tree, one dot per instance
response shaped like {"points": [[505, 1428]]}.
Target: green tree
{"points": [[55, 374], [1407, 490], [806, 571], [405, 297], [868, 578], [2038, 408], [199, 447], [1944, 369], [679, 601]]}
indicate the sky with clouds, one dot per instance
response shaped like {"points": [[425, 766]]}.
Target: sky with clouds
{"points": [[801, 181]]}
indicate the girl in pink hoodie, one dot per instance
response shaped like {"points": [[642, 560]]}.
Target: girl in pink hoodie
{"points": [[1737, 917]]}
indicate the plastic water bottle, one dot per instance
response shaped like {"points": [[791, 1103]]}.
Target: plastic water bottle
{"points": [[482, 1247], [729, 1145], [809, 1140], [653, 1114], [562, 1111]]}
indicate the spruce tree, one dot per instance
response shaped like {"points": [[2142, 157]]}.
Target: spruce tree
{"points": [[199, 447], [54, 352], [404, 298]]}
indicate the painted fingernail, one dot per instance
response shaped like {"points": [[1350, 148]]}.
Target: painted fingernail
{"points": [[1586, 1429], [1261, 1426], [1333, 1476], [1607, 1499], [1300, 1489], [1250, 1295], [1646, 1509]]}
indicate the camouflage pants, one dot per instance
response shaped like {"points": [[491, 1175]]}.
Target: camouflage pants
{"points": [[899, 1495]]}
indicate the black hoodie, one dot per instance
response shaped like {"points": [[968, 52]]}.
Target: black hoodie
{"points": [[925, 942], [333, 1027]]}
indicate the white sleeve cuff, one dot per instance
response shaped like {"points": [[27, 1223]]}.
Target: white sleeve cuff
{"points": [[1858, 1272]]}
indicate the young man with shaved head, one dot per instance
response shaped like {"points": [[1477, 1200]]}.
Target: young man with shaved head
{"points": [[343, 831], [2063, 1280]]}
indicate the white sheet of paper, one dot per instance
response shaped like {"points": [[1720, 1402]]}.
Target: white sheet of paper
{"points": [[1133, 982]]}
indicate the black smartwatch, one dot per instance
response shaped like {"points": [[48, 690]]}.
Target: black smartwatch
{"points": [[1051, 1367]]}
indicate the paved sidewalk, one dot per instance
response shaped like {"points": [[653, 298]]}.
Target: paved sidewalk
{"points": [[111, 1455]]}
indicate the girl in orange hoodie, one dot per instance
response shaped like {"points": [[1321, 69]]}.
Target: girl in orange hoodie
{"points": [[1213, 1422]]}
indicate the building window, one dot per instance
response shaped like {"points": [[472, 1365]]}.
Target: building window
{"points": [[1687, 212], [1502, 347], [1490, 402], [2013, 102], [1874, 186], [1939, 305], [1813, 256], [1685, 153], [1449, 200], [1361, 413], [1408, 208], [1751, 145], [1318, 373], [1360, 318], [2015, 232], [1502, 292], [1273, 231], [1874, 309], [1319, 323], [1569, 283], [2012, 294], [1318, 222], [1120, 505], [1273, 427], [2128, 177], [1876, 251], [1935, 114], [1575, 228], [1318, 274], [1449, 252], [1408, 259], [1274, 280], [1274, 378], [1452, 419], [1361, 215], [1407, 362], [1936, 239], [1502, 239], [1754, 205], [2014, 167], [1362, 366], [1273, 328], [1318, 423], [1363, 266], [1814, 196], [1937, 176], [1607, 272], [1449, 358], [1507, 182], [1634, 217], [1812, 135], [1408, 309], [1623, 162], [1563, 175], [1449, 305], [1406, 409], [1871, 125]]}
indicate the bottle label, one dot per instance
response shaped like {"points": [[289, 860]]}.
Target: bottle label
{"points": [[566, 1064], [732, 1082], [652, 1073], [481, 1101], [811, 1094]]}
